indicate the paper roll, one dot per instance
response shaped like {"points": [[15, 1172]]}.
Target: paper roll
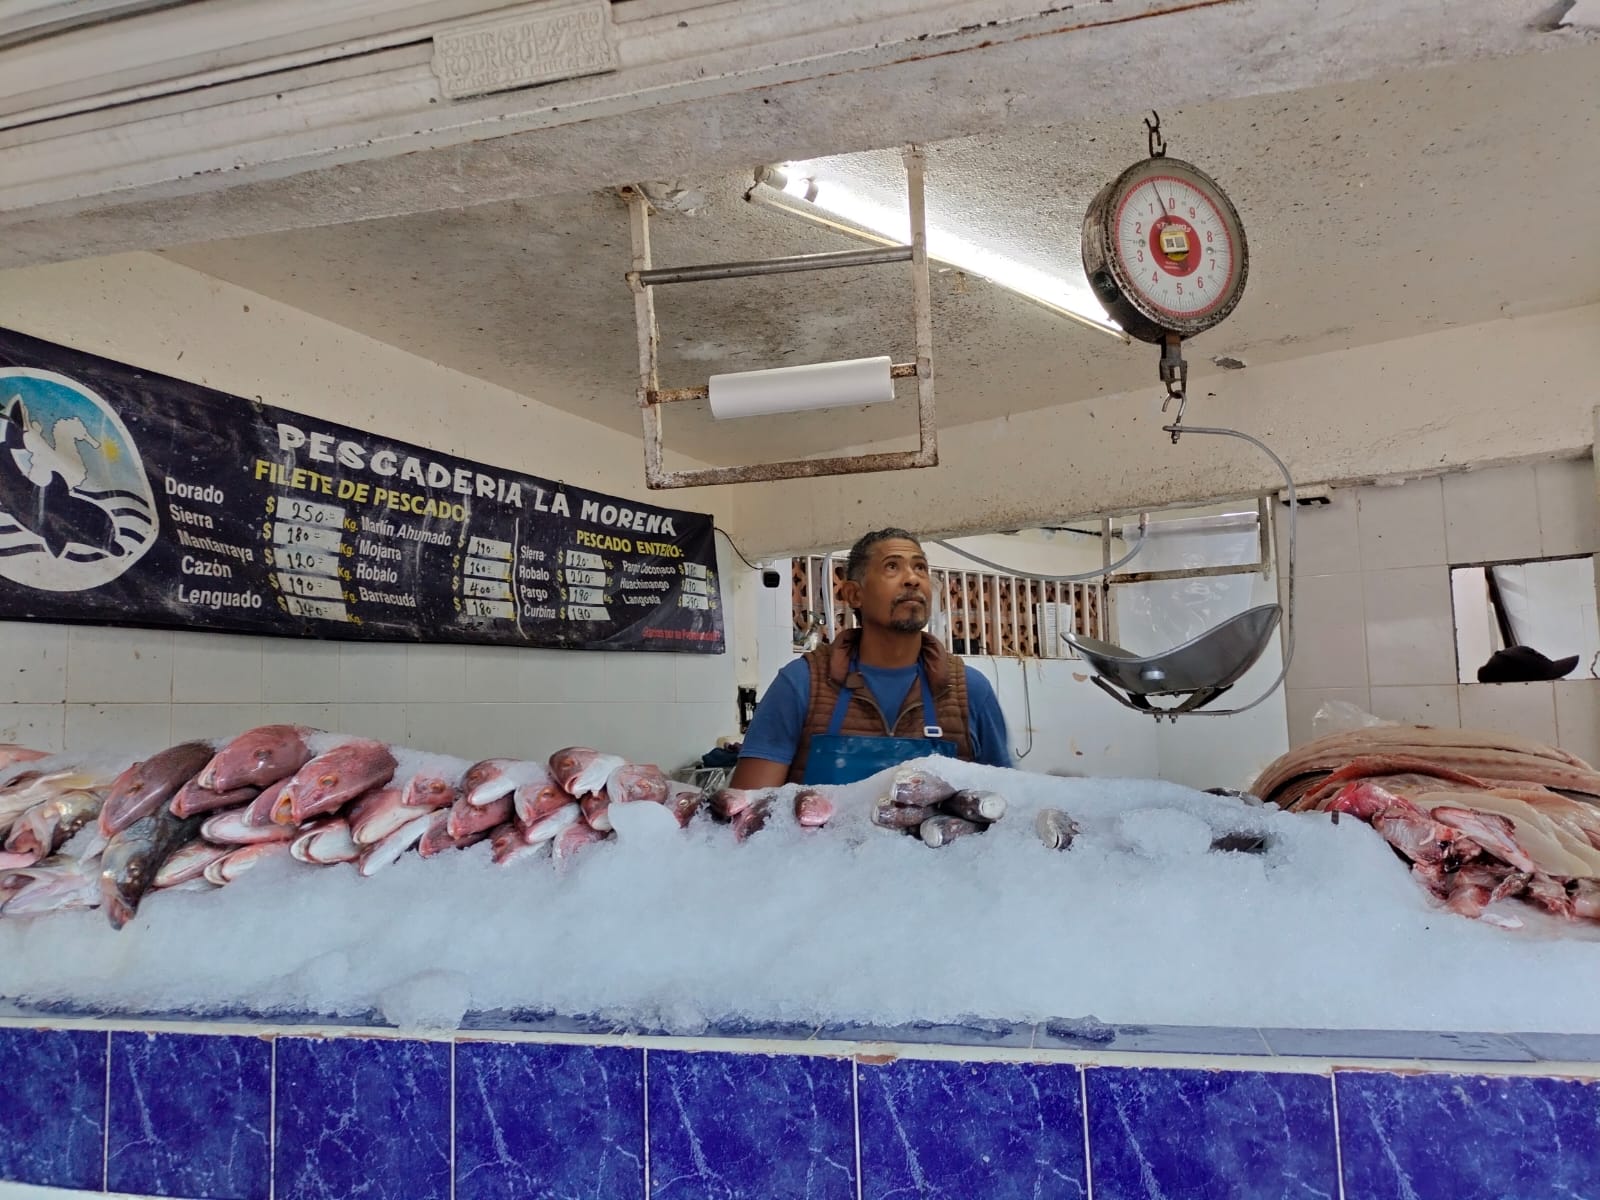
{"points": [[801, 389]]}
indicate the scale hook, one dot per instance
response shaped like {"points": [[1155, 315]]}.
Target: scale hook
{"points": [[1158, 144]]}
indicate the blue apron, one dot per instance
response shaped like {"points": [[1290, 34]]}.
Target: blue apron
{"points": [[849, 758]]}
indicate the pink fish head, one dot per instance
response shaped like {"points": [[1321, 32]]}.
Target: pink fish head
{"points": [[480, 773], [633, 782], [429, 791], [257, 757], [533, 802], [146, 786], [812, 809], [332, 779]]}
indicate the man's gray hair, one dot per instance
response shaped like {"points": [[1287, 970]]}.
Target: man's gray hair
{"points": [[855, 567]]}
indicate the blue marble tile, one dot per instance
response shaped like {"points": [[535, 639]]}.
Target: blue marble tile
{"points": [[1397, 1043], [1563, 1047], [750, 1127], [957, 1130], [1152, 1039], [366, 1117], [1245, 1135], [975, 1032], [190, 1116], [1467, 1137], [53, 1107], [549, 1121]]}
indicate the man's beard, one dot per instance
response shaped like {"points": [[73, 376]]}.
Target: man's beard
{"points": [[908, 624]]}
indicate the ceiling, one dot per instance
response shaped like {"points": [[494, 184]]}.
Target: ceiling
{"points": [[1374, 211]]}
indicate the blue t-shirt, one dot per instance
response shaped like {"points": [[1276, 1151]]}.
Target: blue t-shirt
{"points": [[774, 733]]}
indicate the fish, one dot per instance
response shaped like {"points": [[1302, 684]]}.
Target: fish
{"points": [[574, 839], [1494, 833], [257, 758], [486, 781], [886, 814], [133, 857], [555, 825], [233, 828], [917, 788], [378, 814], [332, 779], [633, 782], [534, 801], [11, 754], [379, 855], [751, 820], [464, 819], [259, 811], [508, 845], [730, 802], [582, 771], [32, 787], [192, 799], [594, 805], [982, 807], [427, 790], [189, 863], [56, 883], [812, 809], [438, 838], [684, 801], [45, 828], [940, 831], [244, 858], [1055, 828], [1241, 843], [146, 786], [325, 842]]}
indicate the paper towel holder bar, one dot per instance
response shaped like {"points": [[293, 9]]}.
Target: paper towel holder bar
{"points": [[652, 397]]}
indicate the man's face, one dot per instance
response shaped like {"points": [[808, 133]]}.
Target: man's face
{"points": [[895, 590]]}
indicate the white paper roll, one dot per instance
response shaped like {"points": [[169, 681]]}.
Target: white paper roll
{"points": [[801, 389]]}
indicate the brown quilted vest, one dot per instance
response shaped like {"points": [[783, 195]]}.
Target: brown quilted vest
{"points": [[830, 667]]}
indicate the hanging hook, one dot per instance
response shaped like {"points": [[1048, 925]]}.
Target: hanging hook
{"points": [[1158, 144], [1027, 710]]}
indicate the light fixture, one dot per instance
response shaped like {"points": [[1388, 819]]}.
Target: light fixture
{"points": [[789, 188]]}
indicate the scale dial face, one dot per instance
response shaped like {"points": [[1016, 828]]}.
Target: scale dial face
{"points": [[1164, 250]]}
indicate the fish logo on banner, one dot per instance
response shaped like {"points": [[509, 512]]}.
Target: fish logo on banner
{"points": [[76, 509]]}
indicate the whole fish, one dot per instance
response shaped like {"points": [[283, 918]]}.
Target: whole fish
{"points": [[812, 809], [594, 805], [684, 800], [489, 780], [378, 814], [730, 802], [508, 845], [45, 828], [330, 780], [323, 843], [134, 856], [1056, 830], [260, 810], [31, 788], [633, 782], [388, 851], [243, 858], [464, 819], [257, 758], [54, 884], [582, 771], [574, 839], [189, 863], [750, 820], [533, 802], [886, 814], [146, 786], [192, 799], [940, 831], [438, 838], [554, 825], [426, 790], [233, 828], [914, 787], [983, 807]]}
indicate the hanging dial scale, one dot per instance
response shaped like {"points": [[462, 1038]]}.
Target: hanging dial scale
{"points": [[1165, 253]]}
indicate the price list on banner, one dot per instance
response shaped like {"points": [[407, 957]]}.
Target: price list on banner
{"points": [[133, 498]]}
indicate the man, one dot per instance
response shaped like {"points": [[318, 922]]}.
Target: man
{"points": [[879, 695]]}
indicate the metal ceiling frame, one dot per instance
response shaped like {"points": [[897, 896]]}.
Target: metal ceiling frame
{"points": [[644, 277]]}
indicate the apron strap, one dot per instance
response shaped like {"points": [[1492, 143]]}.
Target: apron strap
{"points": [[930, 728]]}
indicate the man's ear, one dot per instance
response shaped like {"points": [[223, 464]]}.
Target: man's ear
{"points": [[850, 593]]}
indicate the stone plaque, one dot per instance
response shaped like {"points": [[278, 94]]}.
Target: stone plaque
{"points": [[563, 41]]}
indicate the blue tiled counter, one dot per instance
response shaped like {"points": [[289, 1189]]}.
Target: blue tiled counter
{"points": [[286, 1114]]}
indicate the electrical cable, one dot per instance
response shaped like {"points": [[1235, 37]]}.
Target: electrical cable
{"points": [[1081, 577], [734, 546]]}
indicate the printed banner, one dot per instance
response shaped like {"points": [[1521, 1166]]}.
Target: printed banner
{"points": [[131, 498]]}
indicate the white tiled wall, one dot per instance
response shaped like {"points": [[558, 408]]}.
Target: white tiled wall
{"points": [[1373, 613]]}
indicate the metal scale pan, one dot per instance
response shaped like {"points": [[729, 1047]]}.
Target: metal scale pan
{"points": [[1201, 669]]}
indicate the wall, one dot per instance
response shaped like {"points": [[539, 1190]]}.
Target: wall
{"points": [[1375, 624], [86, 687]]}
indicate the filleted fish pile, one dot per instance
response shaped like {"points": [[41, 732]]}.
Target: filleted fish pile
{"points": [[1483, 818], [197, 816]]}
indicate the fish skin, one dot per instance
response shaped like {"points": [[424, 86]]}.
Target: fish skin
{"points": [[330, 780], [508, 846], [31, 787], [1055, 828], [133, 857], [635, 782], [485, 779], [730, 802], [751, 820], [941, 831], [244, 858], [260, 810], [582, 771], [684, 800], [388, 851], [189, 863], [1493, 832], [594, 806], [914, 787], [53, 885], [574, 839], [465, 819], [232, 827], [533, 802], [554, 825], [257, 758], [191, 799], [428, 791], [438, 839], [324, 843], [11, 754], [812, 809], [380, 818], [985, 808], [886, 814], [45, 828]]}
